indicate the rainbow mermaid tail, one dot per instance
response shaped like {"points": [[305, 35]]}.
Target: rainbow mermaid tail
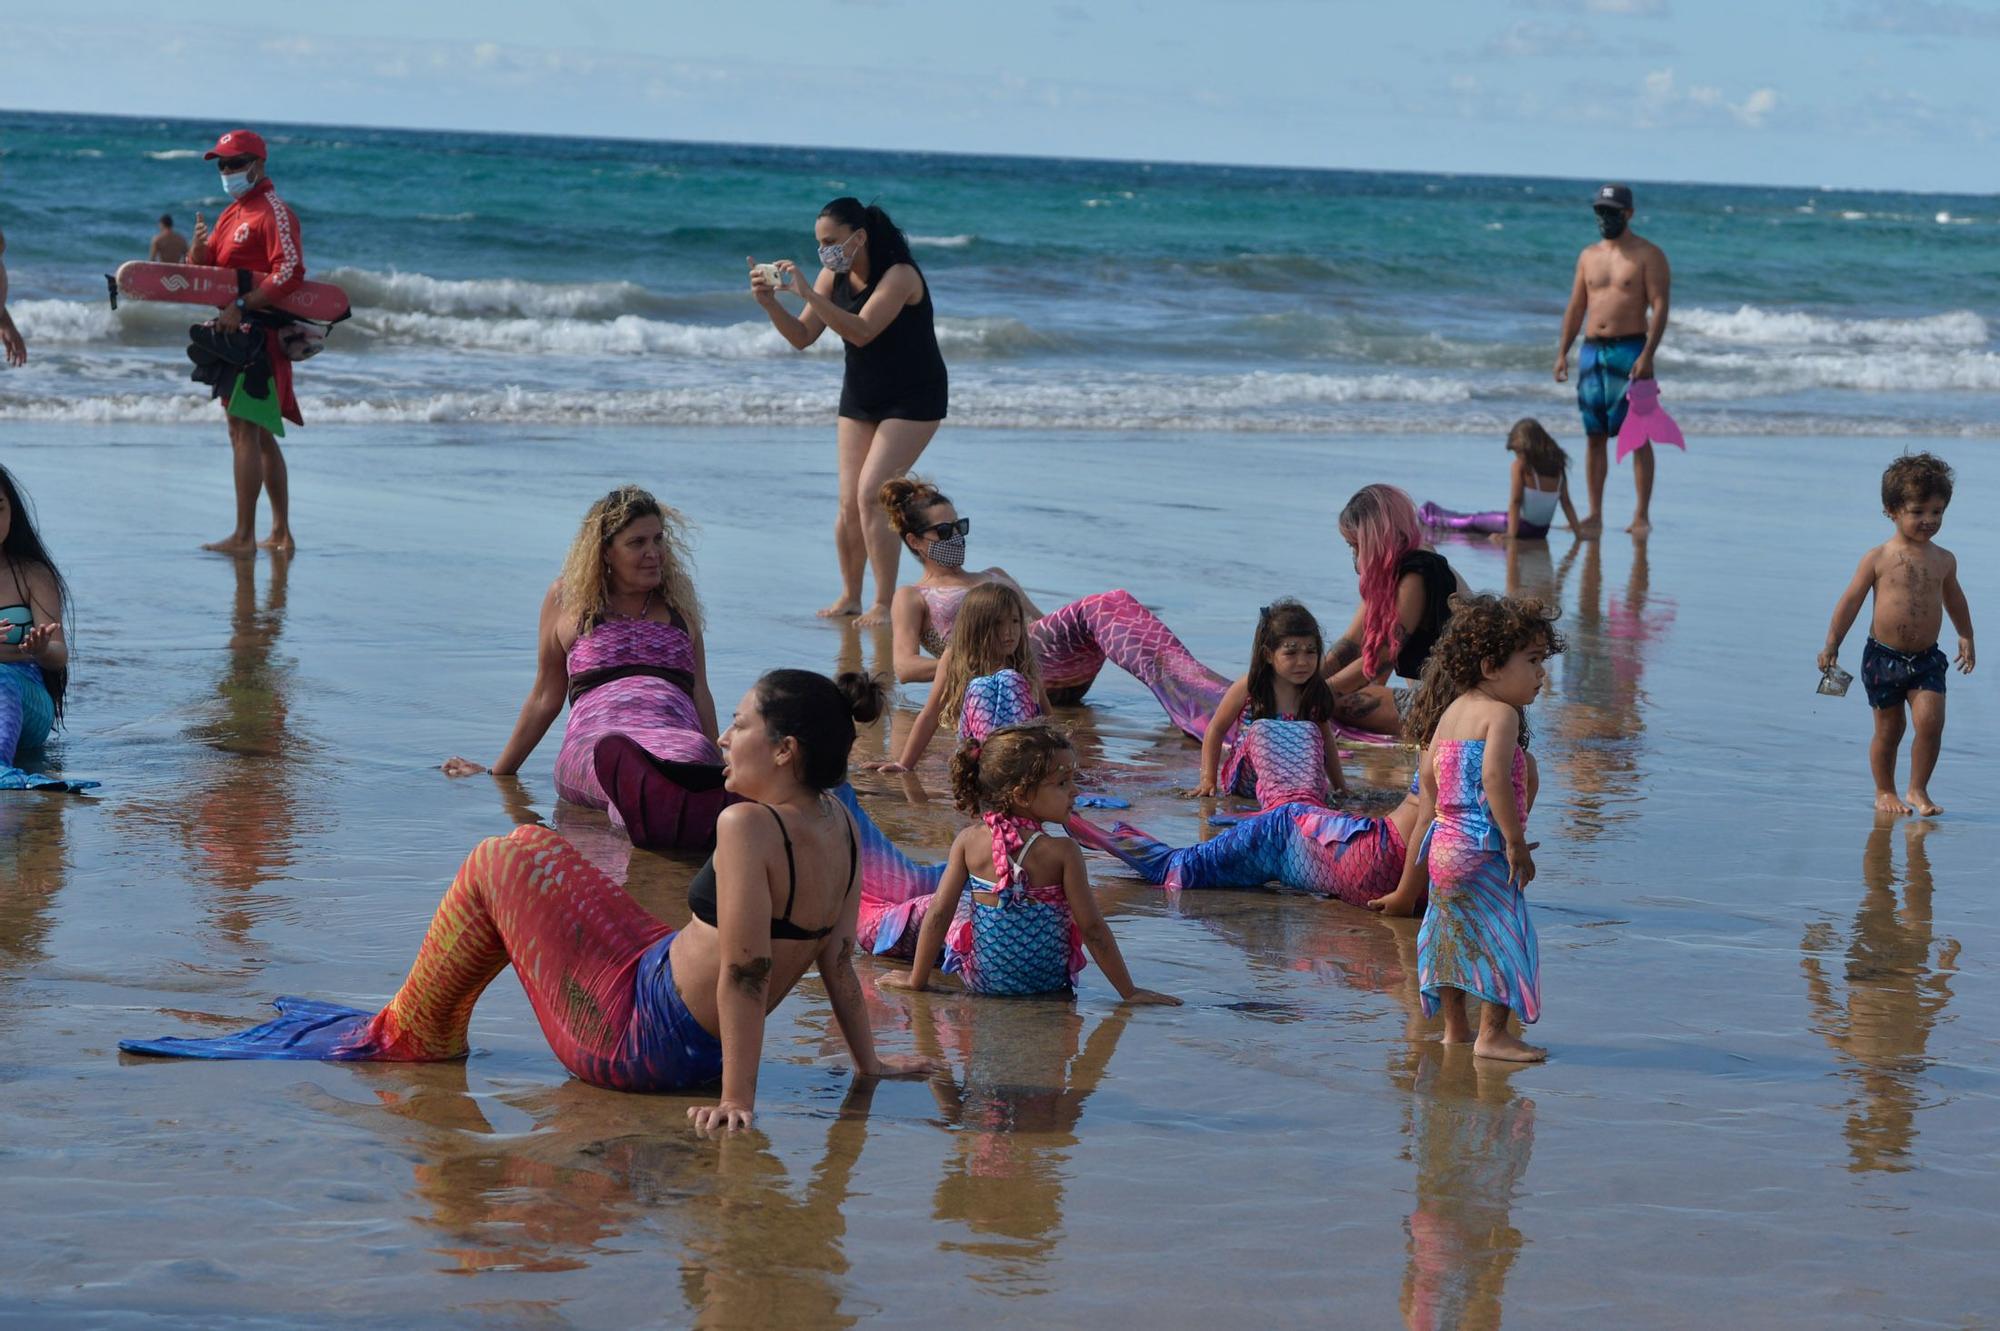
{"points": [[1492, 523], [1646, 421], [1301, 846], [595, 966], [895, 889], [1073, 643], [1279, 761], [1003, 698], [27, 713], [1476, 936]]}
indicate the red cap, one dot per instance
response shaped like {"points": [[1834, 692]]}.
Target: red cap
{"points": [[239, 143]]}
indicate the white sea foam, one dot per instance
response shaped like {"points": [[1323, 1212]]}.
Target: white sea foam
{"points": [[174, 154], [944, 242], [492, 296], [1790, 328]]}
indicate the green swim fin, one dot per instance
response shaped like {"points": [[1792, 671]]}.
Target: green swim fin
{"points": [[263, 411]]}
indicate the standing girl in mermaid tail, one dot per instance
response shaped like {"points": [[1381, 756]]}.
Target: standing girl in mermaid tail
{"points": [[1477, 785], [1289, 710], [34, 655], [1071, 644], [1024, 931], [1538, 483], [988, 663]]}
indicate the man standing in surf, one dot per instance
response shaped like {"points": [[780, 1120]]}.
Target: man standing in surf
{"points": [[259, 233], [1619, 281]]}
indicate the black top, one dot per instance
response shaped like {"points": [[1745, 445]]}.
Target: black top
{"points": [[903, 358], [701, 890], [1440, 583]]}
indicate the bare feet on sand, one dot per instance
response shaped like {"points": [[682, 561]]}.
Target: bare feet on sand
{"points": [[1920, 803], [233, 545], [1886, 802], [841, 609], [1590, 526], [279, 541], [1507, 1047], [1394, 903], [1640, 526], [877, 614]]}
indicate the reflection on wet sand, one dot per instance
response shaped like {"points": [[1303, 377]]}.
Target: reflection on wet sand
{"points": [[1880, 1029], [598, 1172], [34, 859], [1600, 713], [241, 820], [1471, 1136]]}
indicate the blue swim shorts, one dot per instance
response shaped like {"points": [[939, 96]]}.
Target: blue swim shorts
{"points": [[1891, 676], [1601, 374]]}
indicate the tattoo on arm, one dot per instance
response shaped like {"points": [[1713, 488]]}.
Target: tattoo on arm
{"points": [[753, 977], [1343, 652]]}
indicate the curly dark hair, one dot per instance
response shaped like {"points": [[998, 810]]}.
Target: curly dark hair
{"points": [[1915, 477], [998, 773], [1483, 631]]}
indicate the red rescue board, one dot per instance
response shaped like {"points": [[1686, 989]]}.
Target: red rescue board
{"points": [[196, 284]]}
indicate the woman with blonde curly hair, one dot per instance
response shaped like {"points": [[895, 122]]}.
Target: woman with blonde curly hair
{"points": [[620, 641]]}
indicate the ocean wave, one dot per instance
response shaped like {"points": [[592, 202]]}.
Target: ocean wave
{"points": [[493, 297], [174, 154], [630, 335], [1790, 328], [958, 242]]}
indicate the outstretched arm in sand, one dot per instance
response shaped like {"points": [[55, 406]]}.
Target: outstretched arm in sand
{"points": [[1234, 699], [926, 724], [545, 699]]}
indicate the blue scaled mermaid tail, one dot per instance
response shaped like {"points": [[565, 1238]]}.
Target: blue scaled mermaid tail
{"points": [[27, 713], [1305, 847]]}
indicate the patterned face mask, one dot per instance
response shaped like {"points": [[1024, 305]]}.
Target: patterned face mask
{"points": [[947, 554], [835, 258]]}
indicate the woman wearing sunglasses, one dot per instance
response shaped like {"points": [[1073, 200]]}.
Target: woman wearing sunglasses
{"points": [[893, 398], [1071, 643]]}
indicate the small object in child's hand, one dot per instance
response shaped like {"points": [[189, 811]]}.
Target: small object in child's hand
{"points": [[1833, 682]]}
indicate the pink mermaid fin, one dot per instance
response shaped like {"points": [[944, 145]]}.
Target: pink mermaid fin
{"points": [[1646, 421]]}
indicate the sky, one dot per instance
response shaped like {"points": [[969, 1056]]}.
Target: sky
{"points": [[1888, 94]]}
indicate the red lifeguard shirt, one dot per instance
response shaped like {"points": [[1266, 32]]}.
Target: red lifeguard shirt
{"points": [[260, 233]]}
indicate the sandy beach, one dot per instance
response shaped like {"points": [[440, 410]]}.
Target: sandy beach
{"points": [[1772, 1088]]}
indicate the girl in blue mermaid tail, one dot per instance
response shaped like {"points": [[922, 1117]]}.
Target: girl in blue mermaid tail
{"points": [[1286, 708], [1477, 785], [1538, 483], [34, 655], [989, 652], [1024, 930]]}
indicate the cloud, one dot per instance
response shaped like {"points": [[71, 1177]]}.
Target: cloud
{"points": [[1635, 8], [1918, 18], [1529, 40], [1662, 101]]}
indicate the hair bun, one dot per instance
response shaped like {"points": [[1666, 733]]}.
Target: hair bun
{"points": [[866, 696]]}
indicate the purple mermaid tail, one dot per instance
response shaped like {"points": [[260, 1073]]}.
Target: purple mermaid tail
{"points": [[1647, 421], [1491, 523], [1301, 846]]}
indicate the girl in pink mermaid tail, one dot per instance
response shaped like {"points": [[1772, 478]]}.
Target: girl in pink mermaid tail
{"points": [[989, 655], [1071, 644], [1538, 482], [1477, 785], [1024, 930], [1283, 703], [620, 640]]}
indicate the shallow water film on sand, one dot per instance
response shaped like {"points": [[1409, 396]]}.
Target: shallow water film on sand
{"points": [[1771, 1097]]}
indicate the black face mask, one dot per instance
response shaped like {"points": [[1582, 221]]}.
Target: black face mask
{"points": [[1610, 225]]}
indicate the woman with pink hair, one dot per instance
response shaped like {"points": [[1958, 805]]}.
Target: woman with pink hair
{"points": [[1406, 591]]}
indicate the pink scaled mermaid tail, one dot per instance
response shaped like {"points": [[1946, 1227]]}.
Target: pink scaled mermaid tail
{"points": [[1304, 847], [594, 964], [1073, 643], [1476, 936], [635, 744], [1646, 421], [1493, 523], [1279, 761]]}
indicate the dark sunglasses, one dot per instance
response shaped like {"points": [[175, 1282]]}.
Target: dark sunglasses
{"points": [[233, 163], [944, 531]]}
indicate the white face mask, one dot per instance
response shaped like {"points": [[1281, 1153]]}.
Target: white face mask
{"points": [[236, 182], [835, 258]]}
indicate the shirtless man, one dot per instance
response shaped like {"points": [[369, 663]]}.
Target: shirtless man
{"points": [[11, 344], [169, 245], [1618, 280]]}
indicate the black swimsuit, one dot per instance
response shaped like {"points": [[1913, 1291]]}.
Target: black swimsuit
{"points": [[701, 890], [900, 375], [1440, 584]]}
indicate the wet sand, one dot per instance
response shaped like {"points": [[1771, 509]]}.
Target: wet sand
{"points": [[1773, 1020]]}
